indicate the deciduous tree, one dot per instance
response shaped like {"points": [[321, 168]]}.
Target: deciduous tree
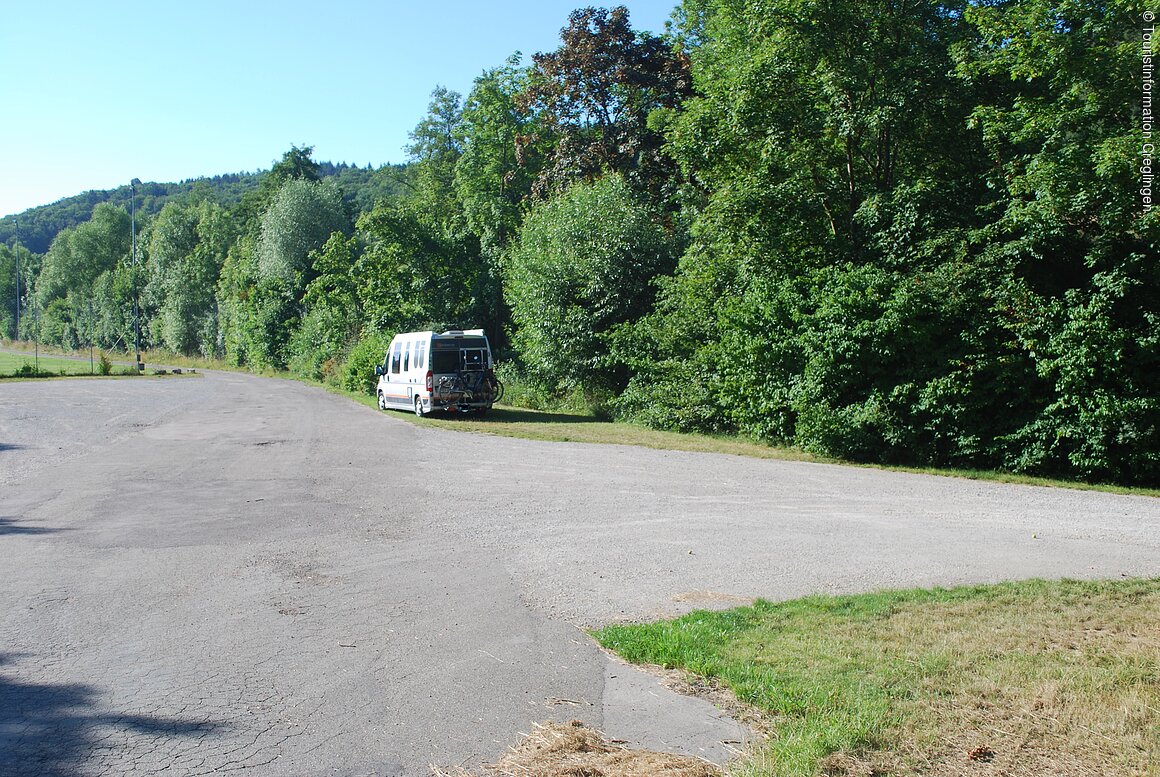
{"points": [[583, 265], [593, 97]]}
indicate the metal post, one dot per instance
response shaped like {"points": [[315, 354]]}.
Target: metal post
{"points": [[16, 231], [133, 266]]}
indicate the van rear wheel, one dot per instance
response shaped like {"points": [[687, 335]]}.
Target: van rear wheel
{"points": [[419, 406]]}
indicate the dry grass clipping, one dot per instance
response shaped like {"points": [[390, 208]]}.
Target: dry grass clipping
{"points": [[1060, 691], [574, 750]]}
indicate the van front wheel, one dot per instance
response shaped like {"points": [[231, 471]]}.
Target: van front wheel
{"points": [[382, 401], [419, 406]]}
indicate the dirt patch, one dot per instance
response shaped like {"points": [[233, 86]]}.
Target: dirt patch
{"points": [[574, 750], [714, 599]]}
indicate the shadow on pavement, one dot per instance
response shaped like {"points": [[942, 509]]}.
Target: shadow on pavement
{"points": [[518, 415], [9, 525], [52, 730]]}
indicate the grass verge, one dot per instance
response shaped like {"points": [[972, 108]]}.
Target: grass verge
{"points": [[565, 427], [568, 427], [1018, 679], [14, 364], [54, 362]]}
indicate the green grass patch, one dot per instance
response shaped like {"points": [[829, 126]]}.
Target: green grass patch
{"points": [[21, 363], [1031, 678], [570, 427], [27, 365]]}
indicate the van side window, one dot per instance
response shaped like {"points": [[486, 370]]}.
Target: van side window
{"points": [[407, 357], [421, 354], [395, 356]]}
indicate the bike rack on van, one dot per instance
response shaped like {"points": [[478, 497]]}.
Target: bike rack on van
{"points": [[467, 388]]}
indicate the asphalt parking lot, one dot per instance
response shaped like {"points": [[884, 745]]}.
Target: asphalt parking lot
{"points": [[218, 572]]}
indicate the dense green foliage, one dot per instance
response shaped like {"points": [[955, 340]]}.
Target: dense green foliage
{"points": [[910, 234], [582, 266], [186, 247], [594, 96], [916, 241], [13, 258]]}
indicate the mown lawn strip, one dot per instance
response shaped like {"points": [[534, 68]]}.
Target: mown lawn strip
{"points": [[1029, 678]]}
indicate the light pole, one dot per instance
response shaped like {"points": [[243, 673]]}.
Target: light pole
{"points": [[133, 268], [16, 232]]}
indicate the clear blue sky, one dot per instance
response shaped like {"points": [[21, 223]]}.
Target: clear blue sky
{"points": [[94, 94]]}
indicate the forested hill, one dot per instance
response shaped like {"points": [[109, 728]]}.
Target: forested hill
{"points": [[38, 226]]}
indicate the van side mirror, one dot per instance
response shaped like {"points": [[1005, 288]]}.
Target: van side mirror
{"points": [[379, 370]]}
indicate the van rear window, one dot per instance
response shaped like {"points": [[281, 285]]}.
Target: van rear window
{"points": [[447, 343], [460, 353], [473, 359], [445, 360]]}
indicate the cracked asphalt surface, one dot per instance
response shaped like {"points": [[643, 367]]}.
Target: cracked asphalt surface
{"points": [[219, 573]]}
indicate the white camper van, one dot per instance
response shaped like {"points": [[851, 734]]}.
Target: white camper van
{"points": [[428, 371]]}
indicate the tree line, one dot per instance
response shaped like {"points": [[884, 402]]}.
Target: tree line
{"points": [[909, 235]]}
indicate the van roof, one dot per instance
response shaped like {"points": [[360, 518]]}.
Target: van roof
{"points": [[448, 333]]}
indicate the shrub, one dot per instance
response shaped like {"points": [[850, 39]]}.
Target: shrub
{"points": [[359, 372], [584, 263]]}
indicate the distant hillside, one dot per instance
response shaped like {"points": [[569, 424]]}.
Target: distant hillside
{"points": [[39, 226]]}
